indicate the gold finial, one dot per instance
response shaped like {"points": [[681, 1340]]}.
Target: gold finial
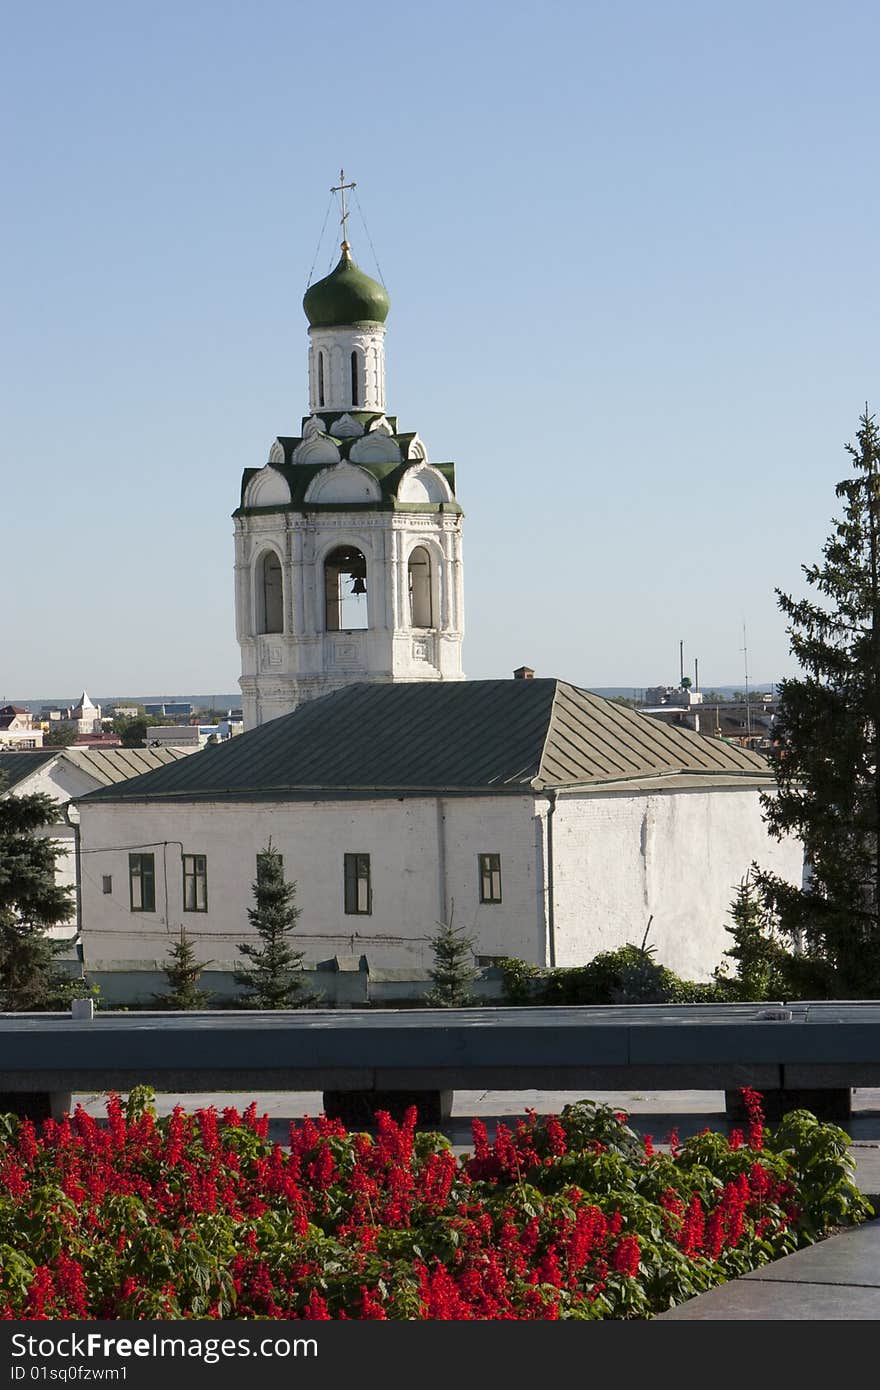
{"points": [[341, 188]]}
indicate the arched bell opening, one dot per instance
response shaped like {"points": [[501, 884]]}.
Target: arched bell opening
{"points": [[421, 606], [269, 593], [345, 590]]}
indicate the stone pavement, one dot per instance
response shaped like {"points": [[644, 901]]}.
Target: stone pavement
{"points": [[836, 1279]]}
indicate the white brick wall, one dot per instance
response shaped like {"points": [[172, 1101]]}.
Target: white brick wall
{"points": [[619, 858], [402, 837]]}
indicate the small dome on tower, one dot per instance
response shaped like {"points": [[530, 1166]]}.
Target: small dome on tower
{"points": [[345, 296]]}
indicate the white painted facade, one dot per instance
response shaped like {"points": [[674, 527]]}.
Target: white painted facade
{"points": [[60, 780], [63, 779], [423, 860], [617, 859], [22, 737], [307, 659], [86, 716], [677, 856], [19, 729], [330, 368]]}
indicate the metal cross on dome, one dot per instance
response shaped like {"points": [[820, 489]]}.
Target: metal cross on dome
{"points": [[341, 188]]}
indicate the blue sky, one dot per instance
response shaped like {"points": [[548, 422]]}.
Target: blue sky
{"points": [[631, 255]]}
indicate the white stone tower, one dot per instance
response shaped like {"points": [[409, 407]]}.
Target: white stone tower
{"points": [[348, 542]]}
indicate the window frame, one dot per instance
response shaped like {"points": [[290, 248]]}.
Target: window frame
{"points": [[137, 864], [357, 872], [489, 877], [195, 875]]}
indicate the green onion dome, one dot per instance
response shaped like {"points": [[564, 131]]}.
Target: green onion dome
{"points": [[345, 296]]}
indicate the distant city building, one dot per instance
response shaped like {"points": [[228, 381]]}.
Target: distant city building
{"points": [[682, 696], [86, 716], [169, 709], [18, 728], [173, 736]]}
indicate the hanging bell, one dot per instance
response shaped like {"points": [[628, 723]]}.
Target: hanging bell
{"points": [[358, 587]]}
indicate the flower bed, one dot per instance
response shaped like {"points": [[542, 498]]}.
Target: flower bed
{"points": [[561, 1217]]}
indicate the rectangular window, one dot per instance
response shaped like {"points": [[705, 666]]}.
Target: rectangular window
{"points": [[490, 878], [106, 883], [358, 893], [195, 883], [142, 882]]}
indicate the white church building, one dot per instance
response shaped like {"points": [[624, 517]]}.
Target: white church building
{"points": [[348, 541], [549, 823]]}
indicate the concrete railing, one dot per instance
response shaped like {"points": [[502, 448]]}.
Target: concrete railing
{"points": [[361, 1060]]}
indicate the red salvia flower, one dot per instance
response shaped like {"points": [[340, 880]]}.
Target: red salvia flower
{"points": [[626, 1256]]}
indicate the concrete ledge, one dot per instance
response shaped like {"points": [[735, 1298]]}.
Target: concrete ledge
{"points": [[651, 1047], [837, 1278]]}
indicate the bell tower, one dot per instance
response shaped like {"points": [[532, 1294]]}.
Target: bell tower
{"points": [[348, 541]]}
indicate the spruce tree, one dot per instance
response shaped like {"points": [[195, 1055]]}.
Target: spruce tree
{"points": [[764, 966], [182, 971], [453, 969], [825, 757], [30, 903], [274, 979]]}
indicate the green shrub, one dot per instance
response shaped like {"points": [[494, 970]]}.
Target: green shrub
{"points": [[629, 975]]}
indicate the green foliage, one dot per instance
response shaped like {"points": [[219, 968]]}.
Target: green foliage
{"points": [[30, 903], [825, 756], [453, 970], [274, 978], [59, 735], [182, 971], [132, 731], [760, 954], [570, 1216], [629, 975], [822, 1168], [766, 967], [520, 981]]}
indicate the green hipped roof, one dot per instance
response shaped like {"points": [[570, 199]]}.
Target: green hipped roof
{"points": [[476, 736], [345, 296]]}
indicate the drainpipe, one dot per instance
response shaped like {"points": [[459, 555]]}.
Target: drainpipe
{"points": [[551, 918], [73, 822], [441, 859]]}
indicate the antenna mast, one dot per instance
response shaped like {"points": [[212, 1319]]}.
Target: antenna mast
{"points": [[745, 652]]}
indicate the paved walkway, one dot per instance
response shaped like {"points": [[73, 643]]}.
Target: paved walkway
{"points": [[838, 1278]]}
